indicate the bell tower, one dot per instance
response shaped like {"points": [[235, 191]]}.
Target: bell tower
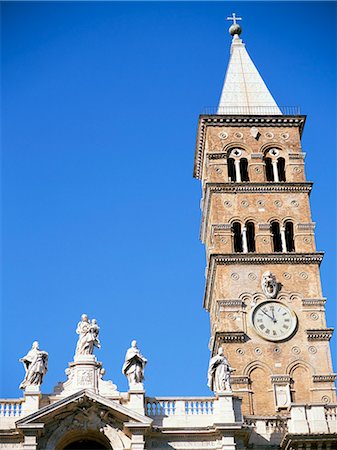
{"points": [[263, 290]]}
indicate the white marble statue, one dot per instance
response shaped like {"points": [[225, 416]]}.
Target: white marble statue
{"points": [[88, 336], [269, 285], [36, 366], [219, 372], [133, 367]]}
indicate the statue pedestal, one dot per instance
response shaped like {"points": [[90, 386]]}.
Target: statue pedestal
{"points": [[85, 372], [136, 398], [224, 407], [32, 396]]}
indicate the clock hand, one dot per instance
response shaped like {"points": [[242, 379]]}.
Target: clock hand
{"points": [[272, 310], [268, 315]]}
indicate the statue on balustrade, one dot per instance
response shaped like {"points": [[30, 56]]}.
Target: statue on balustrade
{"points": [[133, 367], [88, 336], [36, 366], [219, 372]]}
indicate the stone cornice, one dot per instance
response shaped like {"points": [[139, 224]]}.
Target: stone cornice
{"points": [[306, 226], [324, 378], [230, 303], [313, 301], [247, 188], [238, 379], [228, 337], [280, 379], [267, 187], [254, 258], [324, 334], [206, 120]]}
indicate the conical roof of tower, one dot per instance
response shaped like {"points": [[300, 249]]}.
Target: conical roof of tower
{"points": [[244, 91]]}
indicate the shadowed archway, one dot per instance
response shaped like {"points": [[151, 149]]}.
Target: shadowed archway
{"points": [[85, 444]]}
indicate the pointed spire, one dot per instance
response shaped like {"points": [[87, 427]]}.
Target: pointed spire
{"points": [[244, 91]]}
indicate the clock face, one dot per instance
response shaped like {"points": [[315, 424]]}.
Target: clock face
{"points": [[274, 321]]}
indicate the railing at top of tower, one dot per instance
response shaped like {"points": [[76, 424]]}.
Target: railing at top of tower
{"points": [[252, 110]]}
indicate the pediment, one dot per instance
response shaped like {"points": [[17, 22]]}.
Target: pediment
{"points": [[81, 402]]}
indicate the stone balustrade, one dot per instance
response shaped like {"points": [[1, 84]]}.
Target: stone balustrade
{"points": [[167, 406], [266, 429], [11, 407], [193, 411]]}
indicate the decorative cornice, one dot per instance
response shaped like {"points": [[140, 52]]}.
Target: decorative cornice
{"points": [[320, 335], [324, 378], [267, 187], [297, 156], [222, 226], [218, 155], [228, 337], [237, 379], [256, 155], [264, 226], [230, 303], [306, 226], [254, 258], [280, 378], [267, 258], [206, 120], [313, 301]]}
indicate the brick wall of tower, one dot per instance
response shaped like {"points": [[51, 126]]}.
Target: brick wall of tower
{"points": [[233, 283]]}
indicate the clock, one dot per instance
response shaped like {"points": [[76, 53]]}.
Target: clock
{"points": [[273, 321]]}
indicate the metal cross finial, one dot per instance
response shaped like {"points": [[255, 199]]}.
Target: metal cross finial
{"points": [[234, 18]]}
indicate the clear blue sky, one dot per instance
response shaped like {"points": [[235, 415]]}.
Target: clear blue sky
{"points": [[100, 211]]}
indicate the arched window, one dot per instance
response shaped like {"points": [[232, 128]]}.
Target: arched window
{"points": [[281, 169], [269, 169], [231, 169], [276, 234], [250, 227], [262, 401], [289, 236], [301, 381], [236, 227], [244, 169]]}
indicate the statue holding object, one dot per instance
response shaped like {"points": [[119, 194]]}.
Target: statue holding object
{"points": [[219, 372], [88, 336], [133, 367], [36, 366]]}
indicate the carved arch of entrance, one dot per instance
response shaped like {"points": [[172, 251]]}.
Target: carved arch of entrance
{"points": [[92, 440], [68, 431]]}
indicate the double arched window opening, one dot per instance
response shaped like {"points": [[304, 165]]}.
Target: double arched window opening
{"points": [[244, 237], [283, 236], [238, 171], [275, 166], [237, 166]]}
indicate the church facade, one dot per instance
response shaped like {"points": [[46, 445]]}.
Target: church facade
{"points": [[263, 295]]}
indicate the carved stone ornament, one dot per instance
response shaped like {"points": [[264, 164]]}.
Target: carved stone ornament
{"points": [[269, 285], [282, 395], [254, 132]]}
